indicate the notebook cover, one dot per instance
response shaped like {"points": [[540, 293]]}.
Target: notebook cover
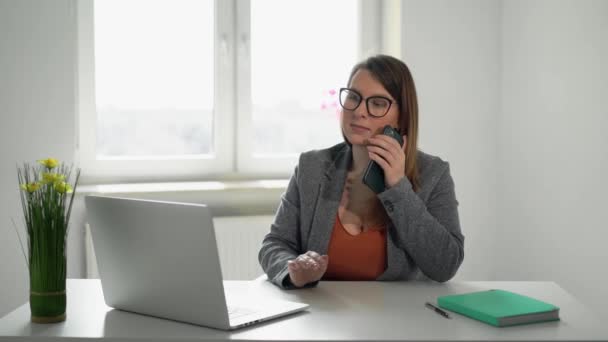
{"points": [[492, 305]]}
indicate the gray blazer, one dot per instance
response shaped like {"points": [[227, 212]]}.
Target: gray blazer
{"points": [[424, 238]]}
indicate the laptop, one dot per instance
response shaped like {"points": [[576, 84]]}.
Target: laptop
{"points": [[160, 259]]}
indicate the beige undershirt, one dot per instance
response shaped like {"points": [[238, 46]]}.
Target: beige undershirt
{"points": [[360, 209]]}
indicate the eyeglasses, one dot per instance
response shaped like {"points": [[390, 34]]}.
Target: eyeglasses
{"points": [[377, 106]]}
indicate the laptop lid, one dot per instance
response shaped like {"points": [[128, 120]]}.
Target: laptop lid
{"points": [[158, 258]]}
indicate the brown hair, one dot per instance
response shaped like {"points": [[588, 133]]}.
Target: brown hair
{"points": [[396, 78]]}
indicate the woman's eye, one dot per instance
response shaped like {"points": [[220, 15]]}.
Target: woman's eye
{"points": [[379, 103], [352, 97]]}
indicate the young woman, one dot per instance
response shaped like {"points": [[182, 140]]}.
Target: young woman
{"points": [[331, 226]]}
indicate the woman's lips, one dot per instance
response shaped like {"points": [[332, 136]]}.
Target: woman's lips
{"points": [[359, 129]]}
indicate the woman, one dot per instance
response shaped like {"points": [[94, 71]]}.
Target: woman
{"points": [[331, 226]]}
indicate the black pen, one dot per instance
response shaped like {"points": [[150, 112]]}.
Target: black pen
{"points": [[436, 309]]}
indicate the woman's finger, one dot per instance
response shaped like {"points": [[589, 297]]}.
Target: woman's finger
{"points": [[387, 143], [387, 155], [300, 262], [293, 265], [316, 258], [307, 262], [314, 255], [324, 260], [312, 263], [383, 164]]}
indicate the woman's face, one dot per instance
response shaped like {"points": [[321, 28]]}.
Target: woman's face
{"points": [[358, 125]]}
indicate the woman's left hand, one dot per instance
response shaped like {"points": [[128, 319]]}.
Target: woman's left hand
{"points": [[386, 151]]}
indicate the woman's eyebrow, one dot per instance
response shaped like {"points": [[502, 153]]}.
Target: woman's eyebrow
{"points": [[373, 95]]}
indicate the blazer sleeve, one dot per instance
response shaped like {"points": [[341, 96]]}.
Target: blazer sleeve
{"points": [[430, 233], [283, 243]]}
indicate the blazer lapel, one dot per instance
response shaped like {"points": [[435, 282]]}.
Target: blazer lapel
{"points": [[330, 193]]}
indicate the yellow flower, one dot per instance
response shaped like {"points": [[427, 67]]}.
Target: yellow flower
{"points": [[30, 187], [50, 163], [48, 178], [63, 187]]}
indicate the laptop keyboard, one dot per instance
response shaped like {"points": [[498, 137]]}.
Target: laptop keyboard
{"points": [[237, 312]]}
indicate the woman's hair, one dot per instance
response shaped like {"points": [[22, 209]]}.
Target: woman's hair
{"points": [[396, 78]]}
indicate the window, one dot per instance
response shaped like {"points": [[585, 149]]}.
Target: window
{"points": [[153, 81], [193, 90]]}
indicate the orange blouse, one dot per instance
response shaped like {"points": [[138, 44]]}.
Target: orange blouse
{"points": [[355, 257]]}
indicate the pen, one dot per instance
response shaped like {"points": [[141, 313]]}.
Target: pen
{"points": [[436, 309]]}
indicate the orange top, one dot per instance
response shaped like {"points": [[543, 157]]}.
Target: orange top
{"points": [[355, 257]]}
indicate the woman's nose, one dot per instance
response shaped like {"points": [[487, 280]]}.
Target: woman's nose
{"points": [[360, 111]]}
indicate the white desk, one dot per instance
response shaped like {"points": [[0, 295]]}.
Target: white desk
{"points": [[339, 311]]}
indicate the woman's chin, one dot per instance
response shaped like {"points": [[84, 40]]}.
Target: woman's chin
{"points": [[357, 139]]}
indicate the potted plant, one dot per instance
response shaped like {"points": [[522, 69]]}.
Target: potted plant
{"points": [[47, 194]]}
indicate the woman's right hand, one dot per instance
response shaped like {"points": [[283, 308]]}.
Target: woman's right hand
{"points": [[307, 268]]}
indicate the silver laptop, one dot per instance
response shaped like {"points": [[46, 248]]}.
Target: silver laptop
{"points": [[160, 259]]}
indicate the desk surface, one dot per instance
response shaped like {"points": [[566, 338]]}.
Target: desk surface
{"points": [[339, 311]]}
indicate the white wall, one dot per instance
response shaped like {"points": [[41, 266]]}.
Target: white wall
{"points": [[553, 146], [515, 95], [36, 119], [453, 53]]}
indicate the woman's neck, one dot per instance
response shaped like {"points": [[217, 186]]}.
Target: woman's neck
{"points": [[360, 158]]}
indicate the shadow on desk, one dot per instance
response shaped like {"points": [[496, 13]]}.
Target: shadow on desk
{"points": [[32, 329], [334, 296], [124, 324]]}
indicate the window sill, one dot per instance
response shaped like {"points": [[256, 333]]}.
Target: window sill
{"points": [[234, 198], [259, 185]]}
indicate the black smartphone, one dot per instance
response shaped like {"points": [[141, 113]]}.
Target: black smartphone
{"points": [[374, 175]]}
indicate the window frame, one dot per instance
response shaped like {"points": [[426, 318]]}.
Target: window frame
{"points": [[232, 158]]}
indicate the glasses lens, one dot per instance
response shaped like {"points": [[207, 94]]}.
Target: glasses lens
{"points": [[349, 100], [378, 106]]}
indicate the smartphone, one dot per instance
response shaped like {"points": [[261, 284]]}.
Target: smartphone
{"points": [[374, 175]]}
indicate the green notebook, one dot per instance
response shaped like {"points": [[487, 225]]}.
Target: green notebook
{"points": [[500, 308]]}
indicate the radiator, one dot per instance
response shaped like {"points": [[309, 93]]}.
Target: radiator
{"points": [[238, 239]]}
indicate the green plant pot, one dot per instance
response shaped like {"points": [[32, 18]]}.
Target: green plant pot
{"points": [[47, 291], [48, 307]]}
